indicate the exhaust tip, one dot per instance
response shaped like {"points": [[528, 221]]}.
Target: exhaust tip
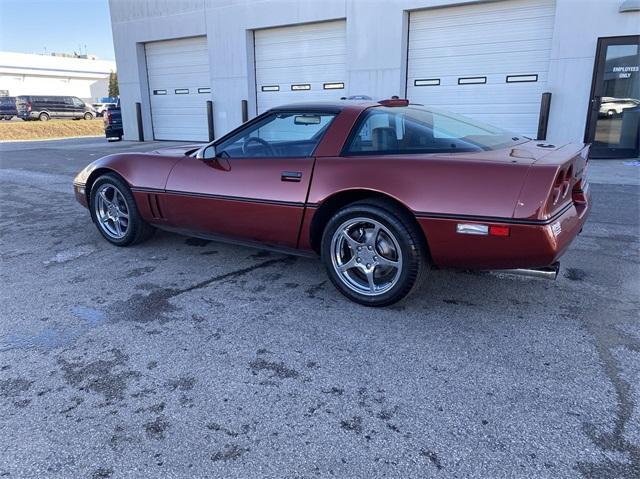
{"points": [[546, 272]]}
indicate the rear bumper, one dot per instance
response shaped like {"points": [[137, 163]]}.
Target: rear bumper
{"points": [[113, 132], [527, 246]]}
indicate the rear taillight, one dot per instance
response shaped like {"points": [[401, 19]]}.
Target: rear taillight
{"points": [[561, 185], [579, 192]]}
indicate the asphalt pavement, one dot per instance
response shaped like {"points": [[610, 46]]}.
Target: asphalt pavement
{"points": [[187, 358]]}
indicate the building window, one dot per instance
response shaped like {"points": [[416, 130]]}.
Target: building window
{"points": [[427, 82], [181, 91], [270, 88], [204, 90], [472, 81], [303, 86], [333, 86], [522, 78], [159, 92]]}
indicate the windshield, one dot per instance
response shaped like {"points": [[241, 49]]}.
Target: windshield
{"points": [[415, 129]]}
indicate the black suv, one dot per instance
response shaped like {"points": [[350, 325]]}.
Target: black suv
{"points": [[41, 107], [7, 107]]}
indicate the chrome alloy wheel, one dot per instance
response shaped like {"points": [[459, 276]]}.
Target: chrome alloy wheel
{"points": [[366, 256], [112, 211]]}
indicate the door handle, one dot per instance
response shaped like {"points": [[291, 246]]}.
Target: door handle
{"points": [[291, 176]]}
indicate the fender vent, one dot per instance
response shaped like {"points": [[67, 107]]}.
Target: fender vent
{"points": [[154, 206]]}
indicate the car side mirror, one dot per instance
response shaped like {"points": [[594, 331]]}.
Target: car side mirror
{"points": [[206, 153]]}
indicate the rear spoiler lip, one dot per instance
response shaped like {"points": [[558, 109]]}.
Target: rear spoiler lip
{"points": [[560, 154]]}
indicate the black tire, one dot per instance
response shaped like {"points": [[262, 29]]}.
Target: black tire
{"points": [[413, 250], [44, 116], [88, 116], [137, 230]]}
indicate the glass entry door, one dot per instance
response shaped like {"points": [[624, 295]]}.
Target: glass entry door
{"points": [[613, 126]]}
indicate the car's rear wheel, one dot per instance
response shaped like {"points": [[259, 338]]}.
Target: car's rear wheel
{"points": [[43, 116], [114, 211], [373, 253]]}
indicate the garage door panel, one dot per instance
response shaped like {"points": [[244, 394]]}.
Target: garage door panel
{"points": [[179, 65], [429, 49], [487, 12], [488, 42], [311, 54]]}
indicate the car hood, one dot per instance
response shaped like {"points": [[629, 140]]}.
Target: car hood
{"points": [[180, 150]]}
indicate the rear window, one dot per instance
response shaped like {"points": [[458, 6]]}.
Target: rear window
{"points": [[7, 100], [414, 129]]}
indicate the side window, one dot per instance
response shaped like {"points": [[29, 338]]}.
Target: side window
{"points": [[77, 102], [379, 131], [397, 131], [285, 134]]}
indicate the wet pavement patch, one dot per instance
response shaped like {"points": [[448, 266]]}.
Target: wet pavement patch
{"points": [[100, 376], [354, 424], [575, 274], [155, 306], [11, 388], [230, 452], [432, 457], [55, 337], [155, 429], [102, 473], [196, 242], [136, 272], [184, 383], [278, 369]]}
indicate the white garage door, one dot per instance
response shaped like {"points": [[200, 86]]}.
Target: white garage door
{"points": [[179, 87], [487, 61], [300, 63]]}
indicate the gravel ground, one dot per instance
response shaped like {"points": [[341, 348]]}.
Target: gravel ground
{"points": [[187, 358]]}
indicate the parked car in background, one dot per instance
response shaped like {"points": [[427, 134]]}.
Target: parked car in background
{"points": [[45, 107], [101, 104], [113, 122], [7, 107], [395, 187], [611, 107]]}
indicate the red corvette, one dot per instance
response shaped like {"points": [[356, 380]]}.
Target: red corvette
{"points": [[378, 190]]}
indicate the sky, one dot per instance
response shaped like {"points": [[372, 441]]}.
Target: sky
{"points": [[45, 26]]}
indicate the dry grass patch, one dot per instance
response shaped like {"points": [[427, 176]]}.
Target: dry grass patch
{"points": [[34, 130]]}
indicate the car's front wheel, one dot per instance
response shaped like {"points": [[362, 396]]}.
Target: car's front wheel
{"points": [[114, 211], [43, 116], [374, 254], [88, 116]]}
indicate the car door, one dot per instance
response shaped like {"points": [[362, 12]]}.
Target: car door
{"points": [[251, 185], [61, 106], [78, 107]]}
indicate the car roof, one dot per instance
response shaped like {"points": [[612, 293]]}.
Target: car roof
{"points": [[337, 105]]}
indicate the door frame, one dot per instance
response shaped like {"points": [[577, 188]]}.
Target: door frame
{"points": [[597, 76]]}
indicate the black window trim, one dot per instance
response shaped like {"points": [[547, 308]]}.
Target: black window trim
{"points": [[204, 89], [510, 78], [160, 92], [306, 85], [415, 82], [181, 91], [483, 82], [270, 88]]}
